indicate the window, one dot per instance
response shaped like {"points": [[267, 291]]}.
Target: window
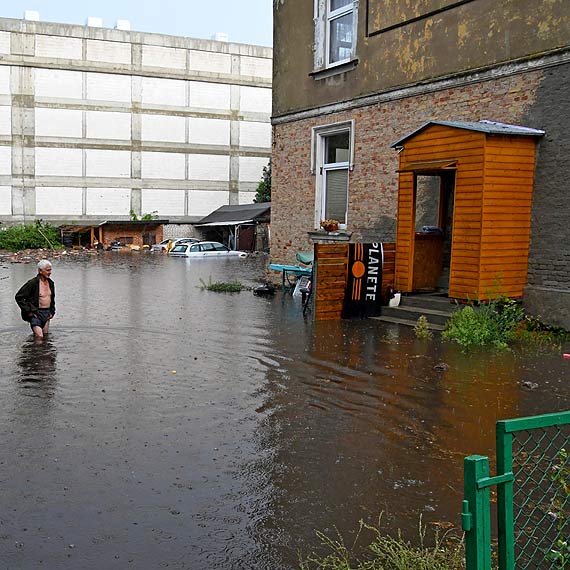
{"points": [[339, 31], [332, 160], [335, 32], [207, 246]]}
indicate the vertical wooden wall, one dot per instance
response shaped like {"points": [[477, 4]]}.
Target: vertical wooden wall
{"points": [[507, 204], [331, 261], [331, 264], [440, 143]]}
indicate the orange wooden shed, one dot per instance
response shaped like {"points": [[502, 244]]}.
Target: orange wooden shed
{"points": [[464, 208]]}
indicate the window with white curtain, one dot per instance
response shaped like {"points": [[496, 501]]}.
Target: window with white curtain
{"points": [[339, 31], [332, 157]]}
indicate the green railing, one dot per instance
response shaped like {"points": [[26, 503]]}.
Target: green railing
{"points": [[533, 497]]}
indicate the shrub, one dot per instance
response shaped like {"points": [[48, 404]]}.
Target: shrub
{"points": [[30, 236], [492, 324]]}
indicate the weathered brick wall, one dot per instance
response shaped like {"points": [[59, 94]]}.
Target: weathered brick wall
{"points": [[535, 99], [373, 185], [117, 234]]}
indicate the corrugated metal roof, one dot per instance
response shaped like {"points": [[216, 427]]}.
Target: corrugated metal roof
{"points": [[234, 215], [487, 127]]}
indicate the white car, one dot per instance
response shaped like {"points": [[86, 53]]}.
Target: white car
{"points": [[204, 249], [163, 245]]}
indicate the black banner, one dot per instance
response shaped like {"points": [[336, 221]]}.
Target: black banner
{"points": [[363, 295]]}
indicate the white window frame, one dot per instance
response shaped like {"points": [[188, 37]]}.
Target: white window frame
{"points": [[322, 19], [318, 168]]}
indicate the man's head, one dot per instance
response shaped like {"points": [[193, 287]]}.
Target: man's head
{"points": [[44, 268]]}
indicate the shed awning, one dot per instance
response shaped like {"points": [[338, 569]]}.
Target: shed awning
{"points": [[226, 223], [236, 215]]}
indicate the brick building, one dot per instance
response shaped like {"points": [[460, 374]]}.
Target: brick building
{"points": [[97, 122], [350, 78]]}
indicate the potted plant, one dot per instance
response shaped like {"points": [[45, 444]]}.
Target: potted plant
{"points": [[329, 225]]}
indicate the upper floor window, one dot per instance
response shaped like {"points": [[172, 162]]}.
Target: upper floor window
{"points": [[340, 18], [335, 32]]}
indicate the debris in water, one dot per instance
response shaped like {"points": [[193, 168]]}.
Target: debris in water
{"points": [[441, 367], [529, 385]]}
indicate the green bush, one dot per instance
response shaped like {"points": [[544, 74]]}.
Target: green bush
{"points": [[30, 236], [388, 553], [492, 324]]}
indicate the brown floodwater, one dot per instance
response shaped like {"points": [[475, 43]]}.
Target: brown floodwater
{"points": [[162, 426]]}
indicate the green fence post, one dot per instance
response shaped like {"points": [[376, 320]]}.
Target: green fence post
{"points": [[505, 523], [478, 530]]}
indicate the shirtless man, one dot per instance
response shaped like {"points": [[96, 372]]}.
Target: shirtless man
{"points": [[36, 299]]}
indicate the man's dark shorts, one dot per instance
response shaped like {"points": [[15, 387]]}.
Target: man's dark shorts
{"points": [[40, 318]]}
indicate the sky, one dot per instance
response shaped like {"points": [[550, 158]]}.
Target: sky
{"points": [[245, 21]]}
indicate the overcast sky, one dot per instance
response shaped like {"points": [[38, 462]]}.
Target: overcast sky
{"points": [[245, 21]]}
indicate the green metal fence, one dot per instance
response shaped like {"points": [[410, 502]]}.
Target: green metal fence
{"points": [[533, 497]]}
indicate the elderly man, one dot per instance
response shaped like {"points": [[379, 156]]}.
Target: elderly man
{"points": [[36, 299]]}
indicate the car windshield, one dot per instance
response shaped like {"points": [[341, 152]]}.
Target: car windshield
{"points": [[178, 249]]}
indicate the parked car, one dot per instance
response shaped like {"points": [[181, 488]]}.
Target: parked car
{"points": [[163, 245], [204, 249]]}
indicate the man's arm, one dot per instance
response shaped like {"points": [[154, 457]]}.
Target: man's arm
{"points": [[23, 298]]}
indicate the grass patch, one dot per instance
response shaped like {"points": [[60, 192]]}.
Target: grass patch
{"points": [[384, 552], [222, 286], [30, 236]]}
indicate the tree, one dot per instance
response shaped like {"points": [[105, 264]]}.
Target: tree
{"points": [[263, 193]]}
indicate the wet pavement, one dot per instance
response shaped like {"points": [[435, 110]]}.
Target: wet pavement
{"points": [[162, 426]]}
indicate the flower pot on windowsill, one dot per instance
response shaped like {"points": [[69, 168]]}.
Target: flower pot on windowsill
{"points": [[329, 225]]}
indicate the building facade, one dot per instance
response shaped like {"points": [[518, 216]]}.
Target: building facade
{"points": [[99, 123], [352, 77]]}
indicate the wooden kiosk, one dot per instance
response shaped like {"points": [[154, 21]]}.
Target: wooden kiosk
{"points": [[464, 208]]}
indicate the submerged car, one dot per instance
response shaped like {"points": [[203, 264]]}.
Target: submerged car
{"points": [[163, 245], [204, 249]]}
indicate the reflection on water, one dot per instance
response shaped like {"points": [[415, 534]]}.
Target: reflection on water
{"points": [[189, 429]]}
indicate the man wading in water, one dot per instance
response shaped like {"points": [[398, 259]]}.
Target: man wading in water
{"points": [[36, 299]]}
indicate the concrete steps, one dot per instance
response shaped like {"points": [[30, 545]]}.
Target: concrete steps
{"points": [[436, 308]]}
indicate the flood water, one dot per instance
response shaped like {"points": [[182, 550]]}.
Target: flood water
{"points": [[162, 426]]}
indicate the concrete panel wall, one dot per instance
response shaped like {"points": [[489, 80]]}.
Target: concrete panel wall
{"points": [[255, 134], [210, 61], [59, 162], [163, 128], [58, 83], [209, 131], [208, 167], [210, 95], [255, 99], [5, 200], [167, 165], [108, 163], [58, 122], [251, 168], [59, 47], [109, 87], [5, 160], [165, 202], [87, 107], [158, 56], [4, 80], [111, 52], [5, 120], [4, 42], [203, 202], [51, 201], [108, 201], [108, 125], [246, 197], [163, 92], [256, 66]]}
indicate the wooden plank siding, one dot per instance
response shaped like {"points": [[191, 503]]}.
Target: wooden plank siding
{"points": [[332, 270], [506, 223], [492, 208], [439, 142]]}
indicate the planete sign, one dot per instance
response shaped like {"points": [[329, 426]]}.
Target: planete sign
{"points": [[363, 294]]}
